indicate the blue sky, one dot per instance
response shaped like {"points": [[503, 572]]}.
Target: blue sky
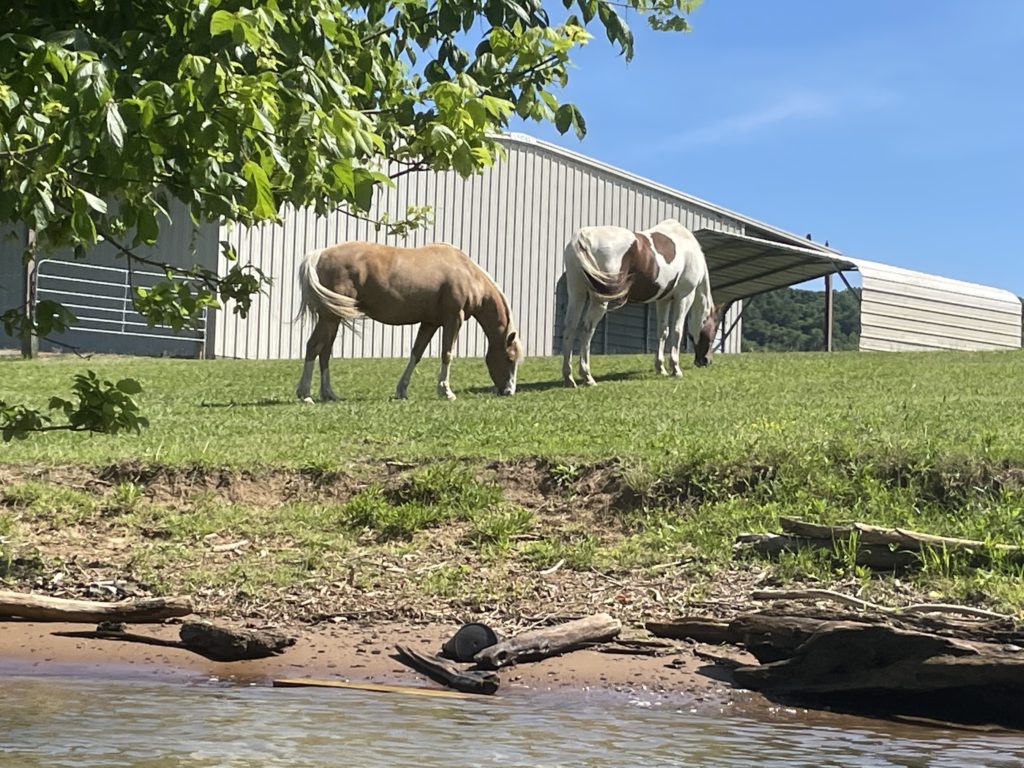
{"points": [[892, 128]]}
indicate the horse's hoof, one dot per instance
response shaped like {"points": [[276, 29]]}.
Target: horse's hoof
{"points": [[589, 382], [677, 374], [569, 383], [308, 399]]}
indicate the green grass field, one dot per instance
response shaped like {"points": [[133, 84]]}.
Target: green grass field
{"points": [[933, 442], [921, 407]]}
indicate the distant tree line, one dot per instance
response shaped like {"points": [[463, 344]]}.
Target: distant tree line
{"points": [[789, 320]]}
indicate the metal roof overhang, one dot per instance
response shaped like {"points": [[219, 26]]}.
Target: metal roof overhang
{"points": [[742, 266]]}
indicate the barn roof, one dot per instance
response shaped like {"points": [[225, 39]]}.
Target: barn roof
{"points": [[742, 265]]}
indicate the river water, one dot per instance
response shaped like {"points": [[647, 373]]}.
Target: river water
{"points": [[83, 723]]}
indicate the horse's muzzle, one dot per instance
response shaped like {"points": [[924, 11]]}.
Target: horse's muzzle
{"points": [[702, 362]]}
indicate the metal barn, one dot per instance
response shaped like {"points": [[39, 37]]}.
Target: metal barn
{"points": [[514, 219]]}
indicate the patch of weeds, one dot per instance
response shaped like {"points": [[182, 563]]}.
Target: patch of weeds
{"points": [[7, 546], [446, 581], [564, 477], [125, 498], [577, 553], [500, 527], [57, 505], [371, 510], [448, 485], [664, 539]]}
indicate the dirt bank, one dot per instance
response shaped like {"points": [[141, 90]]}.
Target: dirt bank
{"points": [[360, 652]]}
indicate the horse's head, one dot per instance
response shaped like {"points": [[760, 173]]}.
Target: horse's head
{"points": [[706, 339], [503, 361]]}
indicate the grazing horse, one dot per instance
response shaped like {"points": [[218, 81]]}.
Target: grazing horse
{"points": [[663, 264], [437, 286]]}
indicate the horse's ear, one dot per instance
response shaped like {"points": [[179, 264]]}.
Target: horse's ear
{"points": [[511, 339]]}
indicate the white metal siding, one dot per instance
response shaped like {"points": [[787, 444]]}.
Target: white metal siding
{"points": [[181, 244], [906, 310], [513, 219]]}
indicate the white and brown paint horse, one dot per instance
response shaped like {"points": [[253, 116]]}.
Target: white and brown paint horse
{"points": [[437, 286], [614, 266]]}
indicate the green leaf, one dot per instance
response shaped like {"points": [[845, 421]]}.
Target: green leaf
{"points": [[115, 125], [258, 197], [129, 386], [564, 118], [221, 22], [92, 201]]}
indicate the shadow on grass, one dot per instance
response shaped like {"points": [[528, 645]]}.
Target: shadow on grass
{"points": [[261, 402], [544, 386]]}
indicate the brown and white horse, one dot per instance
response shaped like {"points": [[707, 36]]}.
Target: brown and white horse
{"points": [[437, 286], [664, 265]]}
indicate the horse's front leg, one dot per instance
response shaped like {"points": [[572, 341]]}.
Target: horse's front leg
{"points": [[449, 332], [680, 309], [591, 317], [318, 345], [663, 311], [419, 346]]}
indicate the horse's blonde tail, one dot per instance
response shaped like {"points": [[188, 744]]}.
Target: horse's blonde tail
{"points": [[605, 285], [318, 299]]}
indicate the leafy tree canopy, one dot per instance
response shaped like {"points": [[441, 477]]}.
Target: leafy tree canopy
{"points": [[792, 320], [110, 108]]}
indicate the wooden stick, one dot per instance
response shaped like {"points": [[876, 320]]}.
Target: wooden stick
{"points": [[377, 687], [549, 641], [828, 594], [129, 637], [44, 608]]}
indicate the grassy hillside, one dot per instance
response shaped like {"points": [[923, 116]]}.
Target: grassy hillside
{"points": [[766, 408], [631, 491]]}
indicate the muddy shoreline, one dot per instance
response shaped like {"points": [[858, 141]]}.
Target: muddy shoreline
{"points": [[363, 653]]}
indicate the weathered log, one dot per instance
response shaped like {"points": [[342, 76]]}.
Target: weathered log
{"points": [[229, 644], [901, 538], [549, 641], [45, 608], [703, 630], [878, 557], [847, 656], [771, 638], [446, 673]]}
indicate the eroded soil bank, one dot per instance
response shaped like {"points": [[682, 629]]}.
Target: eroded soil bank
{"points": [[353, 561]]}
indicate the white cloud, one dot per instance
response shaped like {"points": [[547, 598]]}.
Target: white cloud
{"points": [[795, 107]]}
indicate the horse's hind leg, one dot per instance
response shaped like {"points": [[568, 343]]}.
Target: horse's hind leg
{"points": [[319, 345], [449, 332], [591, 317], [423, 337]]}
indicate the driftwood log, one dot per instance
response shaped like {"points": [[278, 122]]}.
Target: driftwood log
{"points": [[447, 673], [209, 640], [901, 538], [878, 557], [44, 608], [230, 644], [549, 641], [703, 630]]}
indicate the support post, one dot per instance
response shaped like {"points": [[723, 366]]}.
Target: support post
{"points": [[829, 313], [29, 343]]}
